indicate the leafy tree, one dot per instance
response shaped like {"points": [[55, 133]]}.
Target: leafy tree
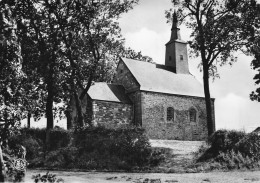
{"points": [[218, 32], [35, 90], [11, 75], [90, 37], [45, 67], [130, 53], [254, 48], [67, 45]]}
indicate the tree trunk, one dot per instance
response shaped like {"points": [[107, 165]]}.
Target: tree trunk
{"points": [[80, 117], [208, 101], [2, 167], [69, 117], [29, 120], [49, 104], [85, 91], [205, 63]]}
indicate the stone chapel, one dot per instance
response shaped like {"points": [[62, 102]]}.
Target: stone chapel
{"points": [[166, 100]]}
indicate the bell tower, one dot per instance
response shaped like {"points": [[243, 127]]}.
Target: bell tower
{"points": [[176, 55]]}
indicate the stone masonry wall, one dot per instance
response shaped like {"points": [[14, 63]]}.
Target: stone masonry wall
{"points": [[111, 114], [137, 111], [124, 77], [154, 118]]}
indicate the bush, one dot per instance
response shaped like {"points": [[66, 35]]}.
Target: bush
{"points": [[129, 144], [89, 148], [33, 147], [224, 140], [233, 150], [58, 138], [132, 146], [34, 140], [37, 133], [51, 178], [62, 158], [250, 146], [236, 160], [127, 147], [158, 155]]}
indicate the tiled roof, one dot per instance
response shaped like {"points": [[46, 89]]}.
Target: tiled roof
{"points": [[157, 78], [108, 92]]}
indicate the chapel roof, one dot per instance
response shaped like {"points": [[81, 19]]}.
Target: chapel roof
{"points": [[160, 78], [108, 92]]}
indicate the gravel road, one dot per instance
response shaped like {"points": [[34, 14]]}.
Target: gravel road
{"points": [[101, 177]]}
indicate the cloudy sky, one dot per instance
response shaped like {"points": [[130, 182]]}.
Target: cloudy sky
{"points": [[145, 30]]}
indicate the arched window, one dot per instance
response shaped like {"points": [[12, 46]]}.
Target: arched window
{"points": [[170, 114], [193, 115]]}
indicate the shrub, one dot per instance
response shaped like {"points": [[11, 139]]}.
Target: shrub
{"points": [[129, 144], [126, 146], [250, 146], [47, 178], [224, 140], [34, 140], [235, 160], [202, 153], [220, 141], [89, 148], [157, 156], [233, 150], [37, 133], [62, 158], [58, 138], [32, 145], [132, 145]]}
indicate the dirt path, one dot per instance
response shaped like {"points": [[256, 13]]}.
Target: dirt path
{"points": [[99, 177], [181, 154]]}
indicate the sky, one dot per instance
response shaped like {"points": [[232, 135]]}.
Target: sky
{"points": [[145, 29]]}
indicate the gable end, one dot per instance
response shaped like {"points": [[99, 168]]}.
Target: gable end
{"points": [[126, 78]]}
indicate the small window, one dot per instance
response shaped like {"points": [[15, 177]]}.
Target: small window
{"points": [[181, 57], [170, 58], [170, 114], [193, 115], [121, 71]]}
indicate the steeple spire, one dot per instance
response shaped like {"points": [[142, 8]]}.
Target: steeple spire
{"points": [[176, 56], [174, 20], [175, 30]]}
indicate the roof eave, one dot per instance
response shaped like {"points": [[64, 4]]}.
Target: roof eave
{"points": [[129, 103], [174, 94]]}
